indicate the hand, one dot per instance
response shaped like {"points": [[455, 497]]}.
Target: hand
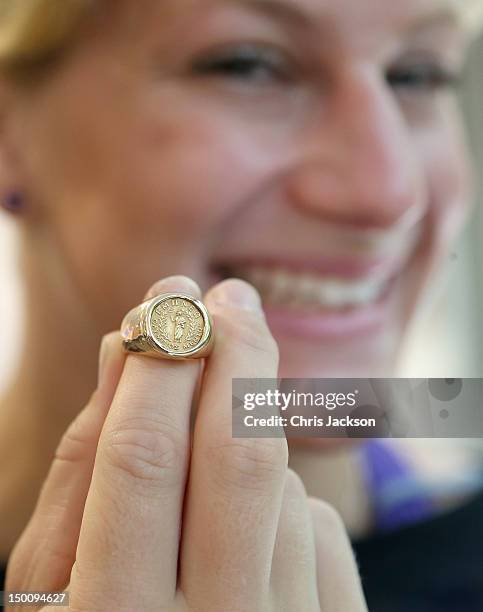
{"points": [[133, 517]]}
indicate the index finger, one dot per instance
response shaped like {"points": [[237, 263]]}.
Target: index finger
{"points": [[133, 510]]}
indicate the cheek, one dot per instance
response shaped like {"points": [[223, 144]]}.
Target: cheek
{"points": [[446, 171], [195, 177], [449, 180], [151, 198]]}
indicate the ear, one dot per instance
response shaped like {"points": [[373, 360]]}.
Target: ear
{"points": [[11, 187]]}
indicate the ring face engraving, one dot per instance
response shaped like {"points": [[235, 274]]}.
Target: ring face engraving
{"points": [[169, 326], [177, 325]]}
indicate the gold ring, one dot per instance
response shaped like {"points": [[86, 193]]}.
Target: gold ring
{"points": [[169, 326]]}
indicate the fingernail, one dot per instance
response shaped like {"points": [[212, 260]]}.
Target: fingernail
{"points": [[177, 283], [235, 292]]}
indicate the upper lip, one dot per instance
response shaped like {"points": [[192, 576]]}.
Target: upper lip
{"points": [[379, 256]]}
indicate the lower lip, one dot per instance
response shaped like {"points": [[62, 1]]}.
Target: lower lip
{"points": [[329, 325]]}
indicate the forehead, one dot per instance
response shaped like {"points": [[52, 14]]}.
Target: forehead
{"points": [[356, 22], [343, 8], [346, 9], [359, 13]]}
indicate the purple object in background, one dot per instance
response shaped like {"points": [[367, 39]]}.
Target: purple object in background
{"points": [[398, 498]]}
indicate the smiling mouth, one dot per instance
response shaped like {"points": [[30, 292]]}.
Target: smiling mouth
{"points": [[345, 289], [310, 290]]}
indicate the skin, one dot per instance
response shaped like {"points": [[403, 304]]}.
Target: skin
{"points": [[136, 165], [118, 510]]}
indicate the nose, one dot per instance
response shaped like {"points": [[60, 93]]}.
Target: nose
{"points": [[358, 165]]}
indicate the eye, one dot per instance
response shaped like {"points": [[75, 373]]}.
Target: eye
{"points": [[249, 63], [422, 77]]}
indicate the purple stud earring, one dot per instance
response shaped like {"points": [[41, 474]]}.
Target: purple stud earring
{"points": [[13, 202]]}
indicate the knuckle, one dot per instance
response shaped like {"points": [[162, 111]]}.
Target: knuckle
{"points": [[75, 441], [147, 451], [250, 463]]}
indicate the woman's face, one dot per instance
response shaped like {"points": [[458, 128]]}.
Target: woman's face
{"points": [[313, 148]]}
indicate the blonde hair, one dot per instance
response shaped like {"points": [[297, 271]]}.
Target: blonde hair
{"points": [[32, 31]]}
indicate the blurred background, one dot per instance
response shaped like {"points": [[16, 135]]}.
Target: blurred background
{"points": [[446, 342]]}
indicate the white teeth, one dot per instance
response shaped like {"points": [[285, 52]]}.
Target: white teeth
{"points": [[254, 275], [305, 290], [280, 286]]}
